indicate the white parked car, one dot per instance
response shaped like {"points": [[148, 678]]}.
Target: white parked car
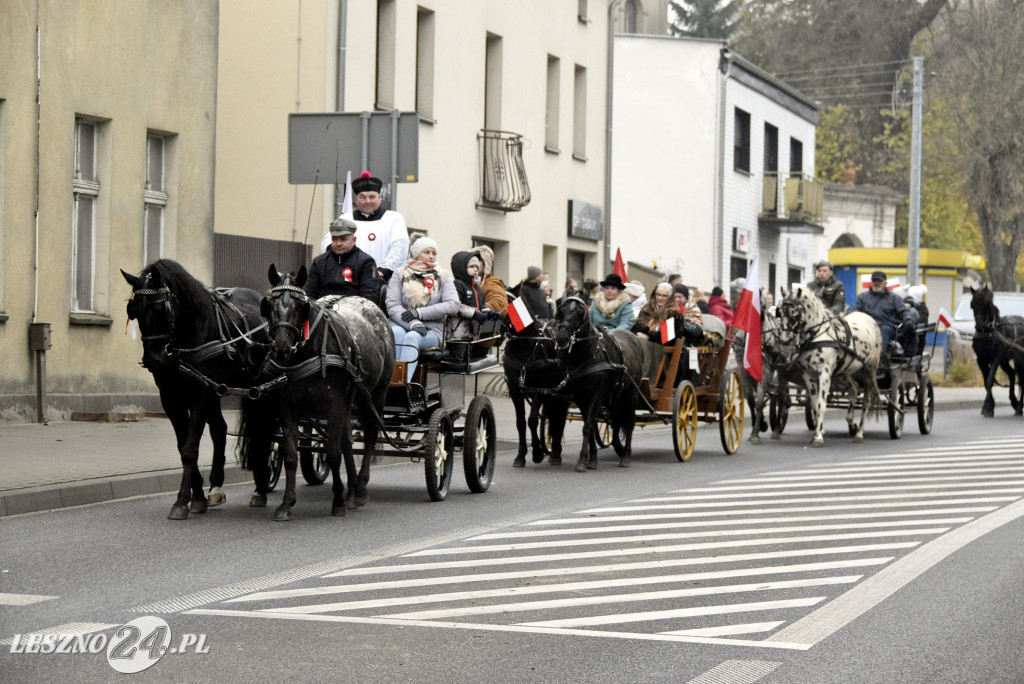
{"points": [[961, 334]]}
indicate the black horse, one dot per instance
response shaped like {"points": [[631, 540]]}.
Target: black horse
{"points": [[195, 341], [328, 361], [998, 343], [532, 373], [602, 372]]}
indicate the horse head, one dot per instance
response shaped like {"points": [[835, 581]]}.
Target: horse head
{"points": [[986, 313], [800, 313], [286, 309], [155, 308], [571, 322]]}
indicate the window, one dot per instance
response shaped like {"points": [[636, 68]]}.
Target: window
{"points": [[86, 191], [771, 149], [796, 157], [581, 11], [632, 11], [579, 114], [154, 199], [771, 279], [492, 84], [551, 105], [425, 63], [737, 268], [575, 265], [741, 141], [385, 87]]}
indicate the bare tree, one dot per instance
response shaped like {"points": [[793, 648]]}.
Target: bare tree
{"points": [[980, 73]]}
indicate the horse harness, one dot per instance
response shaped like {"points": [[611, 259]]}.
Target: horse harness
{"points": [[845, 346]]}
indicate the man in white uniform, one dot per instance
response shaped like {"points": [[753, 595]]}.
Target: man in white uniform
{"points": [[380, 232]]}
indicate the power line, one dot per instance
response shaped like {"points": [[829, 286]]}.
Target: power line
{"points": [[836, 69]]}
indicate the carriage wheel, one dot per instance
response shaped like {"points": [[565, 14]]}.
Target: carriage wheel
{"points": [[730, 411], [684, 422], [778, 410], [543, 430], [313, 464], [479, 444], [604, 431], [895, 410], [274, 465], [439, 454], [926, 405]]}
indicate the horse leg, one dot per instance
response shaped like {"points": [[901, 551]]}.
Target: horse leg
{"points": [[624, 421], [258, 428], [190, 494], [756, 401], [290, 432], [219, 436], [519, 403], [858, 431], [371, 432], [817, 393], [588, 452], [536, 443], [988, 408], [557, 411], [340, 446]]}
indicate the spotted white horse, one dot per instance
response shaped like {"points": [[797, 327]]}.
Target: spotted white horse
{"points": [[845, 350]]}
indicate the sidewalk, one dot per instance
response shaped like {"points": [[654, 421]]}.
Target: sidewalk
{"points": [[69, 463]]}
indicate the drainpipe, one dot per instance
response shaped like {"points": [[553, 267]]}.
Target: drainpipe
{"points": [[612, 6], [339, 197], [35, 256], [724, 67]]}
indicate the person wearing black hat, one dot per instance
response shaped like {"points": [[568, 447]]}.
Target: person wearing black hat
{"points": [[343, 269], [829, 290], [381, 232], [887, 309], [536, 300], [612, 307]]}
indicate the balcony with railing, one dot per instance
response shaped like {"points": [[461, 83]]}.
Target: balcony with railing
{"points": [[792, 203], [503, 184]]}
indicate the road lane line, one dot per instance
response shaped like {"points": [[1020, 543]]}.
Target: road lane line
{"points": [[854, 603], [764, 496], [736, 672], [23, 599], [68, 629], [742, 504], [726, 630]]}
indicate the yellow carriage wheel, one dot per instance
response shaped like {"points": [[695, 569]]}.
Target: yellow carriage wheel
{"points": [[730, 411], [684, 421]]}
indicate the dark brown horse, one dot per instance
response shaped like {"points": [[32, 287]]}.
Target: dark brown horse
{"points": [[998, 343], [602, 372]]}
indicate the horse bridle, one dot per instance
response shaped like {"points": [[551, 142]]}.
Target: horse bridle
{"points": [[279, 291], [155, 296], [573, 332]]}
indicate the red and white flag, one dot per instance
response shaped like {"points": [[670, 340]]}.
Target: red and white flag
{"points": [[619, 266], [346, 204], [668, 330], [748, 319], [519, 314], [945, 318]]}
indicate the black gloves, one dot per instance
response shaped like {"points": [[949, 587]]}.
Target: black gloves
{"points": [[493, 315], [408, 316], [479, 316]]}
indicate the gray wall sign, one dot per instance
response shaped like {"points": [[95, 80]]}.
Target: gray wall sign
{"points": [[586, 220]]}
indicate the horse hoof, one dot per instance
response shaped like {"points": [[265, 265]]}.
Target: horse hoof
{"points": [[817, 442], [581, 467], [338, 511], [754, 439], [178, 513], [538, 456], [362, 500], [592, 464], [198, 506], [217, 497], [857, 439], [624, 461], [258, 501], [282, 514], [555, 461], [520, 462], [776, 435], [988, 413]]}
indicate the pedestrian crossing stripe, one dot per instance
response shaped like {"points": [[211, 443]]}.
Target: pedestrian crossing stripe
{"points": [[23, 599]]}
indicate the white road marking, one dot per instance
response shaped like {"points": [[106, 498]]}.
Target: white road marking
{"points": [[823, 499], [23, 599], [726, 630], [844, 479], [69, 629], [765, 495], [529, 590], [854, 603], [736, 672], [650, 615], [519, 533]]}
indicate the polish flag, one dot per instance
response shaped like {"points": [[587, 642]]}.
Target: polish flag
{"points": [[748, 319], [668, 330], [945, 318], [519, 314], [619, 267]]}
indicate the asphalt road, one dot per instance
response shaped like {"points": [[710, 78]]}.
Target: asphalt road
{"points": [[885, 561]]}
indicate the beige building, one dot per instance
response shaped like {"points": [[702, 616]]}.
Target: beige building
{"points": [[510, 98], [112, 169]]}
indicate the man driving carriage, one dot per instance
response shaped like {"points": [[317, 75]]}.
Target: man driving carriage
{"points": [[344, 269], [896, 320]]}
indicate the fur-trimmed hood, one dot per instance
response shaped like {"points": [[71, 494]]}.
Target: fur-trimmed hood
{"points": [[607, 307]]}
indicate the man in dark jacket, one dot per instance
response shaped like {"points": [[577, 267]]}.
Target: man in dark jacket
{"points": [[531, 293], [886, 308], [343, 269], [829, 290]]}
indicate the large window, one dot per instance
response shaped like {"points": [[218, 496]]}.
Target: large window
{"points": [[86, 191], [796, 157], [579, 114], [385, 87], [741, 141], [492, 83], [154, 198], [771, 149], [425, 63], [551, 105]]}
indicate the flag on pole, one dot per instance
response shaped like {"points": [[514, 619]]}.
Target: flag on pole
{"points": [[668, 330], [748, 319], [519, 314], [346, 204], [945, 318], [620, 266]]}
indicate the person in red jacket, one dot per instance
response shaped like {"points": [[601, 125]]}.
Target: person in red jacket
{"points": [[717, 306]]}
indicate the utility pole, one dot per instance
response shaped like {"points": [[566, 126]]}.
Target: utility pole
{"points": [[914, 227]]}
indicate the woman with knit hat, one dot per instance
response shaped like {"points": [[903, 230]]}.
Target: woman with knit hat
{"points": [[494, 290], [419, 297]]}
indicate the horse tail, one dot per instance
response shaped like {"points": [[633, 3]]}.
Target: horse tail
{"points": [[257, 425]]}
